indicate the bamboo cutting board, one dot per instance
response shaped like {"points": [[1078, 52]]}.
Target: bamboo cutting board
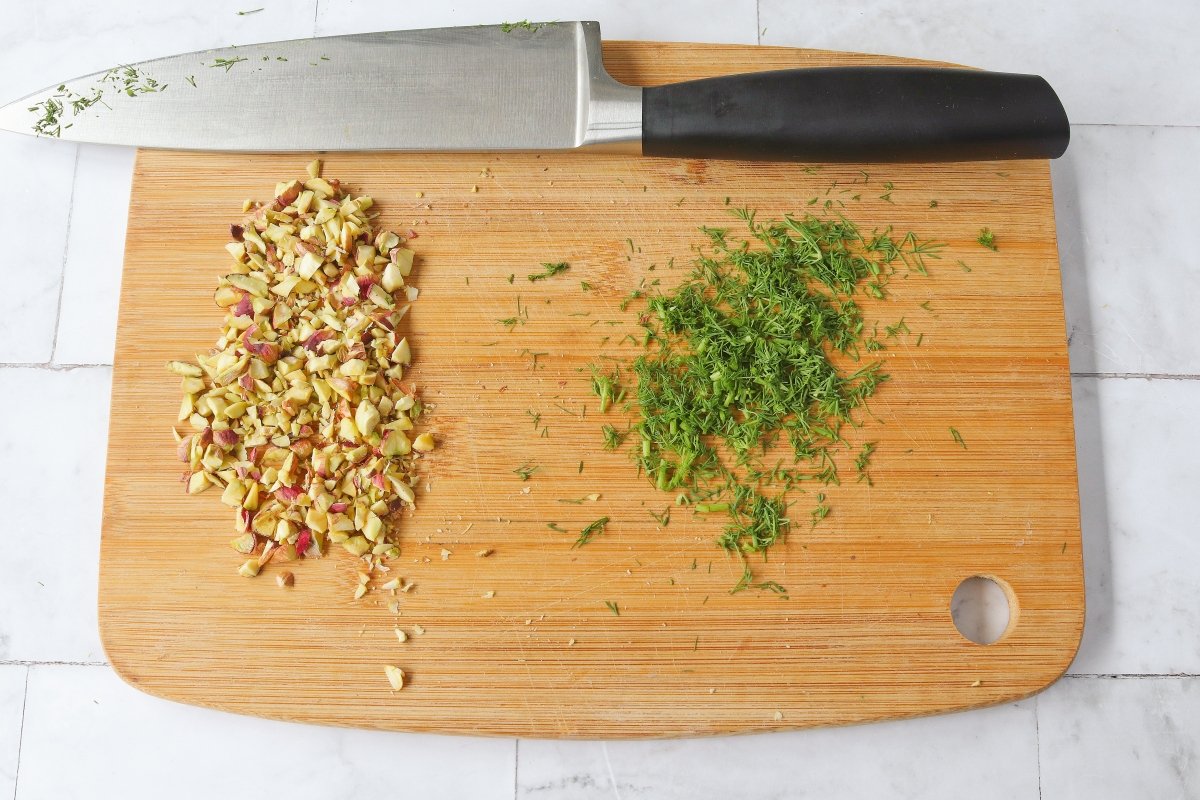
{"points": [[866, 632]]}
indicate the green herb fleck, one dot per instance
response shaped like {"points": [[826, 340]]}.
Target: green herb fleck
{"points": [[192, 80], [863, 460], [591, 530], [526, 470], [821, 510], [509, 27], [248, 13], [227, 63], [605, 386], [747, 582], [533, 358], [958, 437], [612, 437], [987, 239], [548, 270], [612, 606]]}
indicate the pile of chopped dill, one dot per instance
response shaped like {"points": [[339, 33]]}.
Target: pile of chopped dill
{"points": [[763, 350]]}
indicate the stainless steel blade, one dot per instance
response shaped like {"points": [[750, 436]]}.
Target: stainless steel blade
{"points": [[479, 88]]}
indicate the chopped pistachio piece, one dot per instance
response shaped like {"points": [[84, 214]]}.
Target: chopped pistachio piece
{"points": [[395, 677]]}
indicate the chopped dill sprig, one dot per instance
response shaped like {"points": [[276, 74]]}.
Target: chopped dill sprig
{"points": [[958, 437], [591, 530], [606, 387], [863, 460], [533, 358], [549, 270], [663, 519], [612, 606], [227, 63], [521, 317], [509, 27], [526, 470], [613, 438], [747, 582], [987, 239], [821, 510]]}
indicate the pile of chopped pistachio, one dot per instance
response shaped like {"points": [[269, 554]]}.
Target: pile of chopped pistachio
{"points": [[299, 414], [763, 350]]}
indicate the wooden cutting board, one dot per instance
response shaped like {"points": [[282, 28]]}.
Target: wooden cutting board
{"points": [[866, 632]]}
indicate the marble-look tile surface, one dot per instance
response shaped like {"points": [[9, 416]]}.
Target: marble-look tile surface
{"points": [[162, 749], [948, 756], [1104, 738], [38, 177], [52, 446], [1110, 61], [666, 20], [1123, 196], [12, 699], [95, 254], [45, 42], [1137, 442]]}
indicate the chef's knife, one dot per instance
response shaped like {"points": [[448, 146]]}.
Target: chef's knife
{"points": [[539, 87]]}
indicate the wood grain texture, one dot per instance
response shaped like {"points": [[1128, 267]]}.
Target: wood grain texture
{"points": [[866, 633]]}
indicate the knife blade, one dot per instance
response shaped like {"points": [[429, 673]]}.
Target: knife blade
{"points": [[538, 87]]}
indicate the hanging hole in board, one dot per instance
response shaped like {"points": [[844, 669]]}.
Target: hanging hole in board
{"points": [[982, 609]]}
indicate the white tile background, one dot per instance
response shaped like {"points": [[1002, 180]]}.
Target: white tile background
{"points": [[1125, 721]]}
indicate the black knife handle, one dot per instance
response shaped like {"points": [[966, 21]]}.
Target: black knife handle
{"points": [[856, 114]]}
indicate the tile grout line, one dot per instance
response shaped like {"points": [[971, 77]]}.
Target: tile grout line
{"points": [[62, 281], [1129, 676], [516, 766], [316, 13], [1131, 125], [21, 733], [1158, 376], [33, 663], [1037, 744], [758, 21]]}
